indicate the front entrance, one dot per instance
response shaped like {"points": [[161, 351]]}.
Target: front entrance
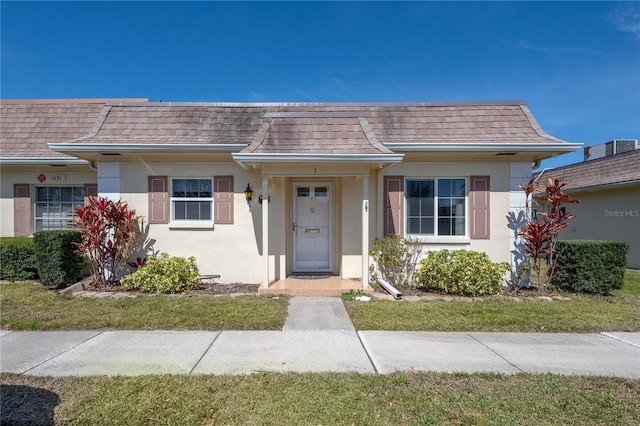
{"points": [[312, 226]]}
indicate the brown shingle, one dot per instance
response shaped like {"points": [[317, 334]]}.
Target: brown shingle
{"points": [[614, 169], [28, 126]]}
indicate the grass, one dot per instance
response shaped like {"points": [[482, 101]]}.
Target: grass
{"points": [[582, 313], [26, 306], [322, 399]]}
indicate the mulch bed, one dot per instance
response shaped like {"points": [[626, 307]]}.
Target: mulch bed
{"points": [[204, 288]]}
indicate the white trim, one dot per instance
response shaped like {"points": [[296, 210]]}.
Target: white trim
{"points": [[435, 238], [482, 147], [190, 223], [329, 184], [136, 148], [325, 158], [43, 160]]}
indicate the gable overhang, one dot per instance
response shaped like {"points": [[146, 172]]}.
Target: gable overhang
{"points": [[253, 160]]}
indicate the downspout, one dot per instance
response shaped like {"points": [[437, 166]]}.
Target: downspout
{"points": [[92, 165]]}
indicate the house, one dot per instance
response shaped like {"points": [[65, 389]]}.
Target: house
{"points": [[326, 179], [608, 189]]}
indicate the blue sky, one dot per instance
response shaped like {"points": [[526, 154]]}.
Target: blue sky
{"points": [[576, 64]]}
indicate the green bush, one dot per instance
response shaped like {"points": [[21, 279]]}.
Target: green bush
{"points": [[595, 267], [395, 259], [58, 259], [164, 274], [17, 259], [461, 272]]}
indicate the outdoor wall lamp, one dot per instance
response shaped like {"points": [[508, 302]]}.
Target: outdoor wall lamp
{"points": [[248, 193]]}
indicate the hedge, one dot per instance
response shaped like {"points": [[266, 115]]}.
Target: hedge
{"points": [[58, 259], [595, 267], [17, 259]]}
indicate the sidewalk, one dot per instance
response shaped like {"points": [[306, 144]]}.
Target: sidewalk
{"points": [[315, 339]]}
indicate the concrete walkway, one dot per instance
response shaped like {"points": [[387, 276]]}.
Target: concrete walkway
{"points": [[317, 337]]}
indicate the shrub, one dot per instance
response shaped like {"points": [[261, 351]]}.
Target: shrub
{"points": [[461, 272], [110, 231], [396, 259], [164, 274], [57, 257], [595, 267], [17, 259]]}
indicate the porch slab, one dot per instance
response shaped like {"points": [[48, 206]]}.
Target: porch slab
{"points": [[246, 352], [331, 286]]}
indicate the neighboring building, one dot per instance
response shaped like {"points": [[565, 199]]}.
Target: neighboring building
{"points": [[608, 189], [333, 176]]}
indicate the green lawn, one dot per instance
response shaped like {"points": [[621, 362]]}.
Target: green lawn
{"points": [[323, 399], [26, 306], [582, 313]]}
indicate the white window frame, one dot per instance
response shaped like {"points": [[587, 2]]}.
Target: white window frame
{"points": [[70, 216], [435, 235], [190, 223]]}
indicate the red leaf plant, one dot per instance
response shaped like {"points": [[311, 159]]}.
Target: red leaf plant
{"points": [[540, 232], [110, 231]]}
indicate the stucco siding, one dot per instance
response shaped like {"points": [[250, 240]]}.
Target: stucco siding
{"points": [[611, 214], [497, 246], [8, 178], [233, 250]]}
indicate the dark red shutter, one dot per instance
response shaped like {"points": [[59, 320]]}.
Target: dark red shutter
{"points": [[479, 194], [158, 199], [90, 190], [394, 205], [21, 210], [223, 199]]}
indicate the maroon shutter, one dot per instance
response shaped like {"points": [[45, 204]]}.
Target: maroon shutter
{"points": [[394, 205], [90, 190], [21, 210], [158, 199], [479, 195], [223, 199]]}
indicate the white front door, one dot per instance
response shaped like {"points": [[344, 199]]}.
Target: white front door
{"points": [[312, 226]]}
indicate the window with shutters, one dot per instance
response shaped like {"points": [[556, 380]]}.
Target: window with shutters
{"points": [[55, 207], [192, 200], [435, 207]]}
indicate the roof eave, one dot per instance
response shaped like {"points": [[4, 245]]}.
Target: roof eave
{"points": [[141, 148], [42, 160], [482, 147]]}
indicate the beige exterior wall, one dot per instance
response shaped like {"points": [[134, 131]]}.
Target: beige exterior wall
{"points": [[232, 251], [72, 176], [610, 214], [497, 246]]}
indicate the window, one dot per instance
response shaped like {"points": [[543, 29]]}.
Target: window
{"points": [[435, 207], [55, 207], [191, 199]]}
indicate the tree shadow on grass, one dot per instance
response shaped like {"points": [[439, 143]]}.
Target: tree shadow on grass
{"points": [[26, 405]]}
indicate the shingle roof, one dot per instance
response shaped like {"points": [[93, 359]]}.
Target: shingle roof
{"points": [[611, 170], [316, 133], [332, 128], [163, 123], [27, 126]]}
